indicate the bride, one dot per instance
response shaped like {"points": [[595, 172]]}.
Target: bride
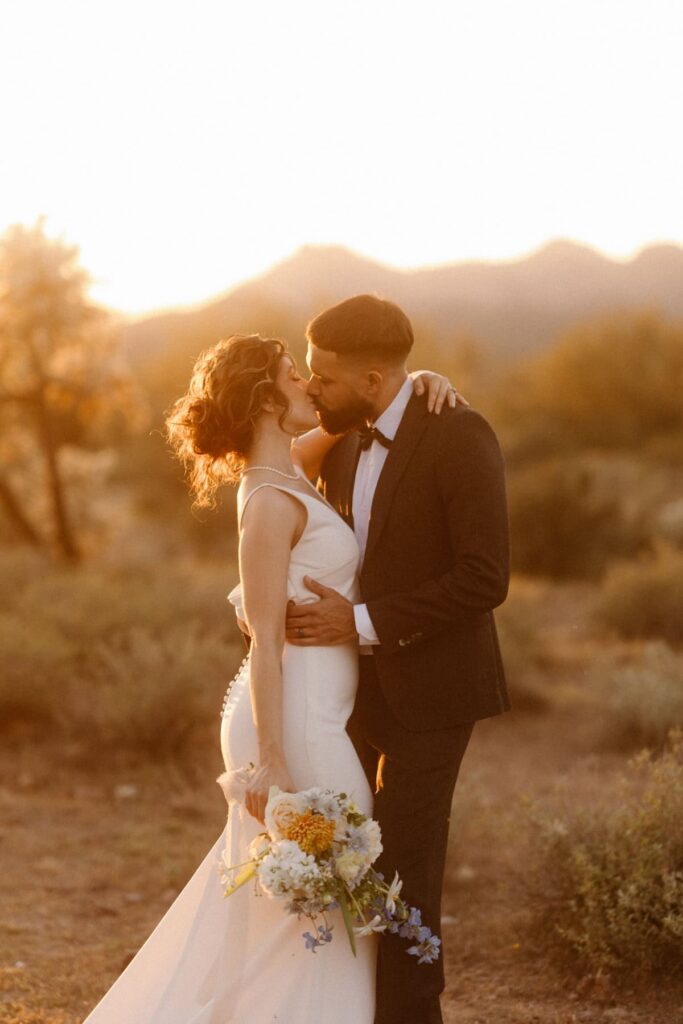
{"points": [[242, 960]]}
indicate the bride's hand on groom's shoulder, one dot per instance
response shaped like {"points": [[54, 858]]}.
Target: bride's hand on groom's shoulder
{"points": [[439, 390], [269, 773]]}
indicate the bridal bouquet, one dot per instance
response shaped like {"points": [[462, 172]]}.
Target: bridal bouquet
{"points": [[317, 854]]}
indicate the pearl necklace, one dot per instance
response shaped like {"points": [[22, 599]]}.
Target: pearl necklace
{"points": [[288, 476]]}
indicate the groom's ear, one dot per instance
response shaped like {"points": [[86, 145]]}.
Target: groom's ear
{"points": [[374, 381]]}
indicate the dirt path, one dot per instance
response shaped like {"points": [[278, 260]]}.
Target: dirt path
{"points": [[91, 860]]}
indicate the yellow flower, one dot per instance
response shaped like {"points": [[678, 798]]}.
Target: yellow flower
{"points": [[313, 832]]}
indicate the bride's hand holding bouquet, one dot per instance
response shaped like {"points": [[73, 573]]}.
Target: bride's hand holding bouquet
{"points": [[272, 771]]}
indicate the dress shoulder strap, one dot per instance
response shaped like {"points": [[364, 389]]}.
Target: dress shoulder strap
{"points": [[278, 487]]}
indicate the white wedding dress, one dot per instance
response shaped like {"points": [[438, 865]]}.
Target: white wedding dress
{"points": [[243, 960]]}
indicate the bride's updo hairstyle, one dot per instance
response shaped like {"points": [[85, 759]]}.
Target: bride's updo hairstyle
{"points": [[211, 427]]}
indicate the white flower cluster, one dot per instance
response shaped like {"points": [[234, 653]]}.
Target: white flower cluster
{"points": [[286, 870]]}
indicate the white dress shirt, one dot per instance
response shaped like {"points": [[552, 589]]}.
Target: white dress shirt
{"points": [[370, 466]]}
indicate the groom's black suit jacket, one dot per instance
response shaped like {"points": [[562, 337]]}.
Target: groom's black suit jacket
{"points": [[436, 564]]}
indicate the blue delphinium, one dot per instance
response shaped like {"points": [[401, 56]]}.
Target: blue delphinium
{"points": [[406, 922], [428, 949], [409, 928], [313, 941]]}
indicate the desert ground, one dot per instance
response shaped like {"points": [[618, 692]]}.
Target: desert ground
{"points": [[92, 854]]}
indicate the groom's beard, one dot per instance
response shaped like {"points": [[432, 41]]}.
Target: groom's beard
{"points": [[339, 421]]}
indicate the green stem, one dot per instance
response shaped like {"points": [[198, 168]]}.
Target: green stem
{"points": [[348, 923]]}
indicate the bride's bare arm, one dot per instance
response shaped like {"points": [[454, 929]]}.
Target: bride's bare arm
{"points": [[309, 450], [271, 524]]}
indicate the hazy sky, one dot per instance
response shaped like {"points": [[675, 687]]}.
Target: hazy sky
{"points": [[186, 146]]}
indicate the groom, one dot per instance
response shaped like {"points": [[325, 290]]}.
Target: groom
{"points": [[425, 496]]}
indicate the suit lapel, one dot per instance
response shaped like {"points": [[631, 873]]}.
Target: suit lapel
{"points": [[410, 431]]}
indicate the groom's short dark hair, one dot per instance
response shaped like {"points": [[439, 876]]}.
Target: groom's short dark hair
{"points": [[363, 325]]}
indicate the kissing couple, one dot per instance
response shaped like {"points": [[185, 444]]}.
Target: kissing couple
{"points": [[373, 548]]}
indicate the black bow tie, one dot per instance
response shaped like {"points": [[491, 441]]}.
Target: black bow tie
{"points": [[368, 434]]}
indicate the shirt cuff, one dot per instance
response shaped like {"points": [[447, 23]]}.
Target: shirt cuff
{"points": [[364, 627]]}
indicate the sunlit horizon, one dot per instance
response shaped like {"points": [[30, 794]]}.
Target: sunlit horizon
{"points": [[99, 294], [186, 151]]}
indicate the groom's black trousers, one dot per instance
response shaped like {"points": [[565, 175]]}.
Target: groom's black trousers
{"points": [[412, 775]]}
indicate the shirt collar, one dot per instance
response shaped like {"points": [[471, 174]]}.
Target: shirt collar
{"points": [[391, 418]]}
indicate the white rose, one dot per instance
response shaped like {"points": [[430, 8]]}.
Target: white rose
{"points": [[281, 811]]}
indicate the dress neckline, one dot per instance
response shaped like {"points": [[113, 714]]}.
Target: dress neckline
{"points": [[321, 498], [281, 486]]}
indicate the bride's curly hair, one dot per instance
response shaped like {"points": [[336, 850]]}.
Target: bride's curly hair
{"points": [[211, 428]]}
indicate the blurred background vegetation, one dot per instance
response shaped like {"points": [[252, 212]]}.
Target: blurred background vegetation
{"points": [[105, 565], [115, 631]]}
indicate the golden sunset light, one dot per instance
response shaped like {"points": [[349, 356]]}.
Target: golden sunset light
{"points": [[188, 147], [341, 512]]}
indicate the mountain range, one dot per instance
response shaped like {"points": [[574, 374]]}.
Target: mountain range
{"points": [[515, 307]]}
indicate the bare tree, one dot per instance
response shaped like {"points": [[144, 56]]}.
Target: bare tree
{"points": [[60, 377]]}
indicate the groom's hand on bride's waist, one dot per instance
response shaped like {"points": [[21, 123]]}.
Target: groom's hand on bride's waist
{"points": [[322, 623]]}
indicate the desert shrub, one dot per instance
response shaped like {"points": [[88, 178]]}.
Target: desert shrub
{"points": [[605, 880], [643, 701], [644, 598], [132, 657], [563, 525], [151, 694]]}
